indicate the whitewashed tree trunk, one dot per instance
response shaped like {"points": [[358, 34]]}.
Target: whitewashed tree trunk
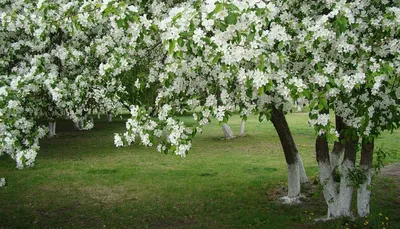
{"points": [[77, 125], [329, 189], [291, 155], [91, 119], [346, 188], [293, 180], [109, 117], [98, 113], [364, 194], [242, 128], [54, 128], [335, 160], [227, 131], [302, 171], [80, 124], [51, 129]]}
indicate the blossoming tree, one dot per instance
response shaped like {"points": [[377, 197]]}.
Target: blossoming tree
{"points": [[348, 55], [215, 63], [265, 57], [55, 57]]}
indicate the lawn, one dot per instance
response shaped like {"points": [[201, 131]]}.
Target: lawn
{"points": [[81, 180]]}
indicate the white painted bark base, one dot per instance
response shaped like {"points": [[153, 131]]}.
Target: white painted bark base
{"points": [[338, 201], [334, 159], [91, 119], [78, 125], [364, 195], [293, 180], [293, 196], [242, 127], [227, 131], [302, 171], [346, 189], [109, 117], [52, 129], [329, 189]]}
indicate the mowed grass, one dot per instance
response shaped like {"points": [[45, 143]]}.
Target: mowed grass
{"points": [[81, 180]]}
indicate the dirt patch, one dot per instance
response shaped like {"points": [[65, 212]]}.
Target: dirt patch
{"points": [[392, 171]]}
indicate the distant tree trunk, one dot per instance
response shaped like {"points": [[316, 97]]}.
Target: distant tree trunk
{"points": [[78, 125], [50, 134], [364, 192], [52, 129], [98, 113], [227, 131], [109, 117], [242, 127], [91, 119], [291, 154]]}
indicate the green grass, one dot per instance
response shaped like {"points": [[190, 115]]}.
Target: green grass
{"points": [[81, 180]]}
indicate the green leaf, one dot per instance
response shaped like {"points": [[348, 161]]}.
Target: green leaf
{"points": [[231, 19], [218, 8], [216, 58], [261, 90], [172, 45], [181, 42], [261, 65], [341, 23]]}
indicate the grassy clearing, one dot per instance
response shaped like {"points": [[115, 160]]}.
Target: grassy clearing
{"points": [[82, 181]]}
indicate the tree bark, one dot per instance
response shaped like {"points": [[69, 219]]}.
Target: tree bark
{"points": [[109, 117], [325, 176], [77, 125], [346, 187], [54, 128], [50, 134], [227, 131], [338, 147], [302, 171], [364, 192], [242, 127], [289, 148]]}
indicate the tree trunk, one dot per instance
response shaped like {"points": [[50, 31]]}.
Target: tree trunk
{"points": [[364, 192], [54, 128], [80, 124], [51, 129], [346, 187], [302, 171], [91, 119], [227, 131], [242, 127], [338, 147], [109, 117], [325, 176], [98, 113], [289, 148], [77, 125]]}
